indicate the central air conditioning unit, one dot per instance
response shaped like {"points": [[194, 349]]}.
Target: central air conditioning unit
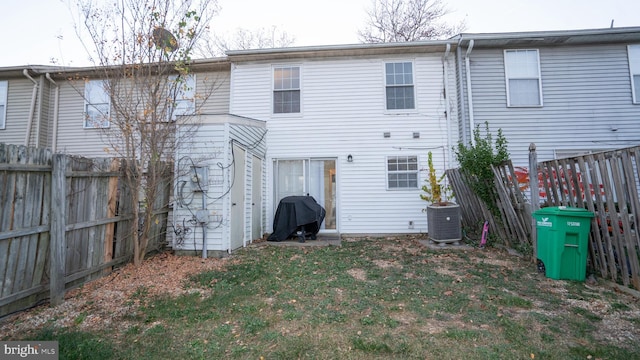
{"points": [[444, 223]]}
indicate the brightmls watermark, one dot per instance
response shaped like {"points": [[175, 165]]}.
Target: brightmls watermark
{"points": [[38, 350]]}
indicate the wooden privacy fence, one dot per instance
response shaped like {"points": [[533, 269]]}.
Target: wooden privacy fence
{"points": [[605, 183], [64, 220], [513, 225]]}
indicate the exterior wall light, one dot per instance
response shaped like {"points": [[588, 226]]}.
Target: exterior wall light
{"points": [[349, 158]]}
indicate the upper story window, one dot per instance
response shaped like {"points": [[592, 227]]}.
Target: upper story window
{"points": [[96, 104], [634, 67], [522, 72], [183, 94], [402, 172], [4, 87], [286, 89], [399, 85]]}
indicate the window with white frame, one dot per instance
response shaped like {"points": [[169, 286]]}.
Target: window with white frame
{"points": [[4, 87], [634, 68], [286, 89], [399, 85], [402, 172], [522, 72], [96, 104], [182, 91]]}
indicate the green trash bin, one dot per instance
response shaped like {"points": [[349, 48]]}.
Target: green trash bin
{"points": [[563, 240]]}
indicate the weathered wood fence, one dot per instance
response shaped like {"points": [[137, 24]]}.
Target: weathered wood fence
{"points": [[64, 220], [605, 183], [513, 225]]}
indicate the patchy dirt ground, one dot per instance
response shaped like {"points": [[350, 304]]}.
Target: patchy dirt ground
{"points": [[99, 302]]}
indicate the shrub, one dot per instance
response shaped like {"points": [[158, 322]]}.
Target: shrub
{"points": [[432, 189], [476, 159]]}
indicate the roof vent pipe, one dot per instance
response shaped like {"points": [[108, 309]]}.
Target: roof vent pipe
{"points": [[56, 102], [32, 108]]}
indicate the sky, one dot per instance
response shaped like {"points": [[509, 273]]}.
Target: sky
{"points": [[38, 32]]}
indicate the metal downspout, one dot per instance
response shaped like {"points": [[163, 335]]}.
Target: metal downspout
{"points": [[56, 98], [32, 108], [463, 111], [447, 105], [472, 124]]}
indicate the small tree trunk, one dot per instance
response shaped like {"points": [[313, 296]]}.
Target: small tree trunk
{"points": [[135, 235]]}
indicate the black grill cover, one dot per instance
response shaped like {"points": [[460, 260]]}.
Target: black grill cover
{"points": [[295, 213]]}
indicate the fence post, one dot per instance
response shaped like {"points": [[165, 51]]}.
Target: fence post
{"points": [[535, 196], [58, 238]]}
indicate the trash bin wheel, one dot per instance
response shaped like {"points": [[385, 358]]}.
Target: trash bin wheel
{"points": [[540, 266]]}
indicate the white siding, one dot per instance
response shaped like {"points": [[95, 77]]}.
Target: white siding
{"points": [[206, 149], [586, 91], [253, 140], [210, 147], [343, 112]]}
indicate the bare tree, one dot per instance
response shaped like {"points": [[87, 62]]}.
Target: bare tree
{"points": [[407, 20], [244, 39], [142, 52]]}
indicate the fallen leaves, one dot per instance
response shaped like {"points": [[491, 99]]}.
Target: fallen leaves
{"points": [[118, 293]]}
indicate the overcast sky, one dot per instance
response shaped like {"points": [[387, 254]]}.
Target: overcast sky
{"points": [[35, 31]]}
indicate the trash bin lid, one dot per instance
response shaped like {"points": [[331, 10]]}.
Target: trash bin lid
{"points": [[565, 211]]}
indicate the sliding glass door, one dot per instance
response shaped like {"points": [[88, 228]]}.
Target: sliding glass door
{"points": [[314, 177]]}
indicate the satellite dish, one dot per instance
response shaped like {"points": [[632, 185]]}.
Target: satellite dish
{"points": [[165, 40]]}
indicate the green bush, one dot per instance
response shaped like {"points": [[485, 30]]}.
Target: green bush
{"points": [[476, 159]]}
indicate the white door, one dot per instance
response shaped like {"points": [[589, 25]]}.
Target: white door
{"points": [[256, 199], [315, 177], [237, 198]]}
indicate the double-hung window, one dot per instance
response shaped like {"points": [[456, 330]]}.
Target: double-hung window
{"points": [[286, 89], [4, 87], [634, 67], [522, 73], [96, 104], [402, 172], [399, 85], [182, 93]]}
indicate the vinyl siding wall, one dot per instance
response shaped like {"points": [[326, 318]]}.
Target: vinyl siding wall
{"points": [[343, 112], [253, 140], [212, 93], [210, 147], [586, 93], [39, 119], [46, 111], [72, 137], [206, 148], [18, 106]]}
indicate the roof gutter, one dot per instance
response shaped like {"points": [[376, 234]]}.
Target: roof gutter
{"points": [[32, 108], [56, 102]]}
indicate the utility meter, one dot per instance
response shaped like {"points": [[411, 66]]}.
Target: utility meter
{"points": [[199, 178]]}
